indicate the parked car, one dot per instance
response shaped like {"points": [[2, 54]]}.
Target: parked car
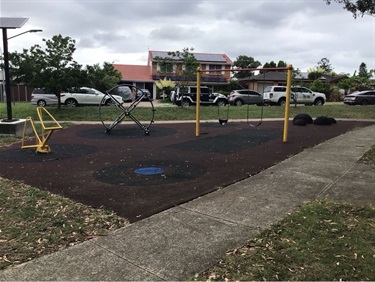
{"points": [[276, 95], [42, 98], [86, 96], [145, 91], [366, 97], [245, 96], [188, 96]]}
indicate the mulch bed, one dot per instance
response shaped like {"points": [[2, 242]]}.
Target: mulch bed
{"points": [[137, 175]]}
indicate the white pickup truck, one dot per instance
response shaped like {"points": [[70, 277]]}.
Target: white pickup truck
{"points": [[276, 95]]}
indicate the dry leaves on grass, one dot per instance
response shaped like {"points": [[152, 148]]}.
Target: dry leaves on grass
{"points": [[321, 241], [35, 223]]}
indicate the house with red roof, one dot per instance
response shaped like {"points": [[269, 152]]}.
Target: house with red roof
{"points": [[145, 76]]}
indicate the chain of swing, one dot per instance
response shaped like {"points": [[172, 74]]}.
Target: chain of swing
{"points": [[224, 121]]}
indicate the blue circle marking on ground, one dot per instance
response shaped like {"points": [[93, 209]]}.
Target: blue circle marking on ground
{"points": [[149, 170]]}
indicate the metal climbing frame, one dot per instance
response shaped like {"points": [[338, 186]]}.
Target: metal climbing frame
{"points": [[113, 113], [40, 146]]}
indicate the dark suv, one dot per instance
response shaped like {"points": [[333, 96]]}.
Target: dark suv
{"points": [[188, 96], [245, 96]]}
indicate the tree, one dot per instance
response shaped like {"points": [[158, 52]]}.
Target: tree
{"points": [[281, 64], [102, 78], [52, 68], [166, 86], [318, 86], [363, 71], [180, 65], [325, 65], [357, 8], [272, 64], [345, 84], [315, 73], [362, 80], [26, 67], [245, 62]]}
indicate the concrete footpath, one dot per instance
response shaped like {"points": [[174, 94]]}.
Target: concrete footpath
{"points": [[179, 242]]}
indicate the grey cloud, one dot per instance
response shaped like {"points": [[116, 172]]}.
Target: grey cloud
{"points": [[300, 32]]}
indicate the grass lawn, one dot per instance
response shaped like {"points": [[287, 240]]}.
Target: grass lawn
{"points": [[35, 223], [24, 109], [320, 241]]}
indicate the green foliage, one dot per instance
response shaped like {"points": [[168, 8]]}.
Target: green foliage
{"points": [[318, 86], [245, 62], [363, 70], [325, 66], [322, 241], [314, 75], [186, 67], [345, 84], [362, 80], [357, 8], [54, 69], [90, 113], [234, 84], [272, 64], [102, 78]]}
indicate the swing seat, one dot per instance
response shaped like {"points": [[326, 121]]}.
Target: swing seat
{"points": [[223, 121]]}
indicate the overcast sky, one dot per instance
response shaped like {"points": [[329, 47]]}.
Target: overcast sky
{"points": [[300, 32]]}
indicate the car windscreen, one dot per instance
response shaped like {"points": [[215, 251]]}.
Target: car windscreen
{"points": [[123, 91]]}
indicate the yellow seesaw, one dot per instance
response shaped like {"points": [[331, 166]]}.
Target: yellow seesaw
{"points": [[40, 146]]}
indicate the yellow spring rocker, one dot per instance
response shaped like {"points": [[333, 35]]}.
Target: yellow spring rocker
{"points": [[41, 140]]}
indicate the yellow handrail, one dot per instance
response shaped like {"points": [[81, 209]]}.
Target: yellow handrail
{"points": [[40, 146]]}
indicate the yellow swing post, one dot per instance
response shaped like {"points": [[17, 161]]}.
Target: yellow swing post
{"points": [[40, 146], [197, 106], [287, 103]]}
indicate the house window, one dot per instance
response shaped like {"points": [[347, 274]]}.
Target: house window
{"points": [[215, 67], [165, 67]]}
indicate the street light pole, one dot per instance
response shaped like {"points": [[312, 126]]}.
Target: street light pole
{"points": [[7, 78], [31, 30], [6, 72]]}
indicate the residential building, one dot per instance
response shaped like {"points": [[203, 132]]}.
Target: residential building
{"points": [[145, 76]]}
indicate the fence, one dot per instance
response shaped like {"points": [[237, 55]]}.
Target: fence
{"points": [[19, 93]]}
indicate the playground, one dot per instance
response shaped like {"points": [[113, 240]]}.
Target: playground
{"points": [[137, 175]]}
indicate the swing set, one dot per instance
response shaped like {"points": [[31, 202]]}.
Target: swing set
{"points": [[224, 121]]}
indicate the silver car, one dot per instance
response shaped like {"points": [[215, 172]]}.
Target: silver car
{"points": [[42, 98], [245, 96]]}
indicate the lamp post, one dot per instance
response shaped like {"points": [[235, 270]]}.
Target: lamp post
{"points": [[6, 23], [31, 30]]}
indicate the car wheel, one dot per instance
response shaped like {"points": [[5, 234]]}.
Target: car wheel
{"points": [[71, 103], [364, 102], [42, 103], [221, 103], [282, 102], [109, 102], [238, 102], [318, 102], [185, 103]]}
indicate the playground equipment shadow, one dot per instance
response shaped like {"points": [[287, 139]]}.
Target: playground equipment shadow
{"points": [[201, 203]]}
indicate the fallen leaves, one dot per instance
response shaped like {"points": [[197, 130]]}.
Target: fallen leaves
{"points": [[35, 223]]}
